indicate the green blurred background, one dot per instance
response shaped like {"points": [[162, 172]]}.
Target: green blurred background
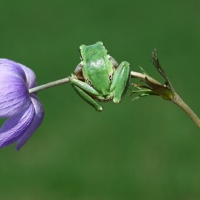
{"points": [[147, 149]]}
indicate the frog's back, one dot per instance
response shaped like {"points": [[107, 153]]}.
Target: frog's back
{"points": [[96, 66]]}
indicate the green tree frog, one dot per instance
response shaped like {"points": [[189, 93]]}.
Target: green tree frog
{"points": [[99, 77]]}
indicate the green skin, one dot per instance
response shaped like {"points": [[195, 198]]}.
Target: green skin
{"points": [[99, 77]]}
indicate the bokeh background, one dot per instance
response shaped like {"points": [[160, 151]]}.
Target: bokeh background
{"points": [[147, 149]]}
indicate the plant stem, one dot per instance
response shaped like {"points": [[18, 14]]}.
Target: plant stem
{"points": [[48, 85], [179, 102], [176, 98]]}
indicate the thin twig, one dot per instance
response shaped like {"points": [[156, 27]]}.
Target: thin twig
{"points": [[144, 77], [48, 85]]}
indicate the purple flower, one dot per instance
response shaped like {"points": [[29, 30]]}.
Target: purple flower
{"points": [[23, 111]]}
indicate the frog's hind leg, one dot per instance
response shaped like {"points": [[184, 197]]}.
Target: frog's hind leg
{"points": [[120, 82], [113, 61], [78, 71]]}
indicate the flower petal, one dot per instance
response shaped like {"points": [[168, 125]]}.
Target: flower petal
{"points": [[30, 77], [23, 110], [14, 127], [37, 120], [14, 95], [11, 68]]}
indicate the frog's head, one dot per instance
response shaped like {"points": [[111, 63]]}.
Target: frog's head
{"points": [[88, 51]]}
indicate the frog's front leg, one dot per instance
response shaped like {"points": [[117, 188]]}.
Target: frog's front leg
{"points": [[83, 90], [120, 81]]}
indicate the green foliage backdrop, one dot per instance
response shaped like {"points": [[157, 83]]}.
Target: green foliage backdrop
{"points": [[146, 149]]}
